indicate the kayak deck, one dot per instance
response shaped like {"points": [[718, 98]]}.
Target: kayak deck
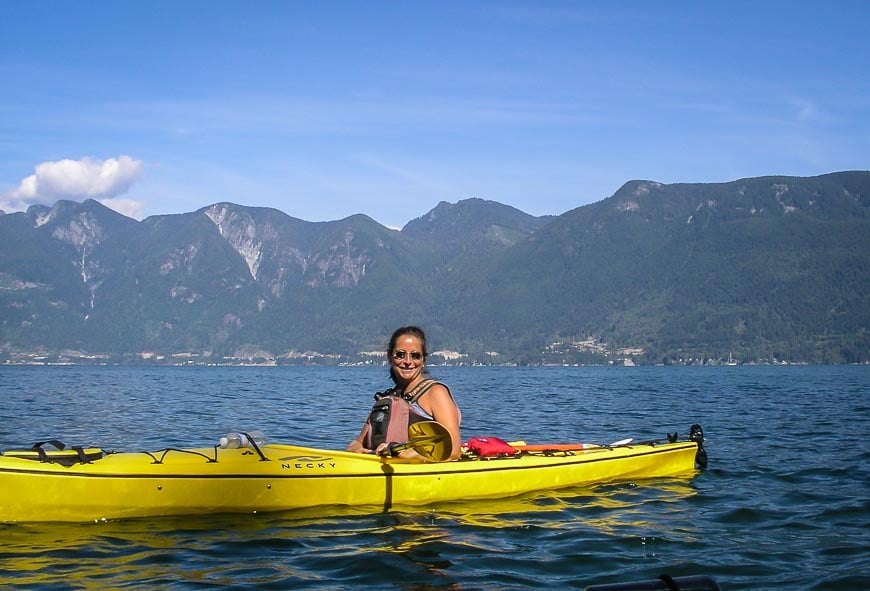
{"points": [[278, 477]]}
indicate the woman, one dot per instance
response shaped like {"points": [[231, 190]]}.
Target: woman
{"points": [[429, 400]]}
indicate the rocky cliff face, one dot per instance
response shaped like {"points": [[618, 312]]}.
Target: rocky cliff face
{"points": [[278, 249]]}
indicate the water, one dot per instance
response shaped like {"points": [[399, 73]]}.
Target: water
{"points": [[784, 504]]}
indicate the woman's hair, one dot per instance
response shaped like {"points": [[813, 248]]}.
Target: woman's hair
{"points": [[414, 331]]}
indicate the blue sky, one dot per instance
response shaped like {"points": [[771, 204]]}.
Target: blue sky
{"points": [[327, 109]]}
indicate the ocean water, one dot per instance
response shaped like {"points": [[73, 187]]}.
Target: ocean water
{"points": [[783, 505]]}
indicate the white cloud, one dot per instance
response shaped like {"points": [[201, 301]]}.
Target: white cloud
{"points": [[75, 179]]}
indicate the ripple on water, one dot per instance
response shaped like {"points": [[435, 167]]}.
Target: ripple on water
{"points": [[783, 506]]}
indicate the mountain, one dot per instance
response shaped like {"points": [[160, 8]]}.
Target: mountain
{"points": [[767, 267], [759, 269], [51, 267], [472, 227], [214, 280]]}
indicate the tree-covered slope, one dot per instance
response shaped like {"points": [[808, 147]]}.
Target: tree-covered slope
{"points": [[768, 266]]}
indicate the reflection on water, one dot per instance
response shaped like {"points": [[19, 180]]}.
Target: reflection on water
{"points": [[298, 546]]}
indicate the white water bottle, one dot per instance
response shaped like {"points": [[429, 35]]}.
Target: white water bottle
{"points": [[257, 437], [237, 440]]}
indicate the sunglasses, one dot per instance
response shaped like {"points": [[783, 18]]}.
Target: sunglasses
{"points": [[400, 354]]}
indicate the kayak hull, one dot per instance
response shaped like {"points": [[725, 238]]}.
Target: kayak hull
{"points": [[285, 477]]}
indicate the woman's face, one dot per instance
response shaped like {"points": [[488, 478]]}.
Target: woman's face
{"points": [[407, 359]]}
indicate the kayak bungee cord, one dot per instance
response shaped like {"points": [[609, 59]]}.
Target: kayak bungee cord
{"points": [[164, 452]]}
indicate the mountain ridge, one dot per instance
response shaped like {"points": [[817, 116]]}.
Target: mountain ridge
{"points": [[763, 268]]}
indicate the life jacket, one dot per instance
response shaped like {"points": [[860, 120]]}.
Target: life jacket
{"points": [[393, 412]]}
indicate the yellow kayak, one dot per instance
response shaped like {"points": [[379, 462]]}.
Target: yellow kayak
{"points": [[86, 485]]}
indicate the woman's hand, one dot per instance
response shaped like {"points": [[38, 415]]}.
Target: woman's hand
{"points": [[406, 454], [356, 446]]}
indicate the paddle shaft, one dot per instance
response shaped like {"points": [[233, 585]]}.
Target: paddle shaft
{"points": [[393, 449], [430, 439]]}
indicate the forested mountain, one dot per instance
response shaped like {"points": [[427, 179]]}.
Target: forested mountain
{"points": [[758, 269]]}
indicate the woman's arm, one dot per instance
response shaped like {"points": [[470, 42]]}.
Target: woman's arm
{"points": [[440, 404], [356, 445]]}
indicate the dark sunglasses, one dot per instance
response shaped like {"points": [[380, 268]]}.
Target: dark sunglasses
{"points": [[400, 354]]}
